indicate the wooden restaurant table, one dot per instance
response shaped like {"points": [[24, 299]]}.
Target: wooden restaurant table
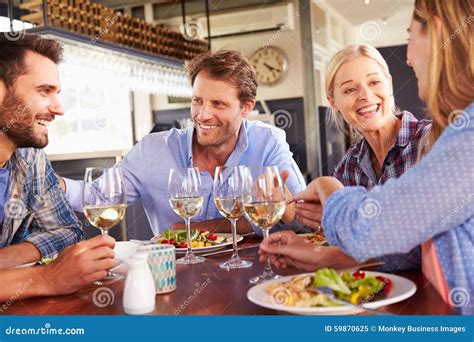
{"points": [[206, 289]]}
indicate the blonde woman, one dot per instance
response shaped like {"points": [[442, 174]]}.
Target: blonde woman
{"points": [[360, 91], [432, 203]]}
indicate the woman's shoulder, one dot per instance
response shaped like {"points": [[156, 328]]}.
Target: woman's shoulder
{"points": [[418, 128]]}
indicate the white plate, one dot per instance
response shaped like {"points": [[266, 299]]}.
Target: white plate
{"points": [[199, 250], [402, 289]]}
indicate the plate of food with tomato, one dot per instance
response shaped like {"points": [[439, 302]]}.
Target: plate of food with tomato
{"points": [[202, 241], [302, 295]]}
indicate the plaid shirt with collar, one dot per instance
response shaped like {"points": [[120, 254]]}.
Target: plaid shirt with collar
{"points": [[356, 167], [356, 170], [37, 210]]}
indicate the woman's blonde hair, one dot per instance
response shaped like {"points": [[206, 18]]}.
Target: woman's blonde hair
{"points": [[450, 71], [347, 54]]}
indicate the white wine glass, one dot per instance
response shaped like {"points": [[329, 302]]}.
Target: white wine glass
{"points": [[186, 200], [231, 190], [265, 209], [105, 203]]}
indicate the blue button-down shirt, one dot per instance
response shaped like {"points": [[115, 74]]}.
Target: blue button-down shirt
{"points": [[146, 168], [432, 200]]}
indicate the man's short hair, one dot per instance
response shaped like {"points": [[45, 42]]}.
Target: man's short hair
{"points": [[12, 54], [228, 66]]}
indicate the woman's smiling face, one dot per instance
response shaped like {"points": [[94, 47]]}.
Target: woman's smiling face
{"points": [[363, 94]]}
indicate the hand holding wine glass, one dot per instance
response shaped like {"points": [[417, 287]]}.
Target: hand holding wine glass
{"points": [[105, 203]]}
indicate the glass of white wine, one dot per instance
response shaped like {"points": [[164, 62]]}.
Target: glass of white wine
{"points": [[105, 203], [232, 189], [265, 209], [186, 200]]}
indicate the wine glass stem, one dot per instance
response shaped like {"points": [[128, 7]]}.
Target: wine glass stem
{"points": [[187, 222], [268, 265], [106, 233], [233, 223]]}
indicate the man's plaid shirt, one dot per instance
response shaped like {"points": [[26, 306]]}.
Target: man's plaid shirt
{"points": [[37, 210]]}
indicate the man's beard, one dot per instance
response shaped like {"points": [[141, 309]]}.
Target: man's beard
{"points": [[16, 122]]}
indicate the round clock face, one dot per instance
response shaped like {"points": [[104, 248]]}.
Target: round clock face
{"points": [[271, 65]]}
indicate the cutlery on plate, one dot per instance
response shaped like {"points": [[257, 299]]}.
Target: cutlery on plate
{"points": [[363, 266], [328, 292]]}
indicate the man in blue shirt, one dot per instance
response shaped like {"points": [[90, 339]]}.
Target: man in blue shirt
{"points": [[35, 219], [224, 91]]}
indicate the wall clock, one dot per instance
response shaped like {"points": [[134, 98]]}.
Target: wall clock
{"points": [[271, 65]]}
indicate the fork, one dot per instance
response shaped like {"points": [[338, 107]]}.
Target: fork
{"points": [[330, 294]]}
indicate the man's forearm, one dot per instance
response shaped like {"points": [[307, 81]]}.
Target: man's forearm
{"points": [[218, 225], [22, 283], [19, 254]]}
